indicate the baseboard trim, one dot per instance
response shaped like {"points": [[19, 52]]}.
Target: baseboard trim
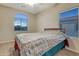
{"points": [[75, 51], [6, 42]]}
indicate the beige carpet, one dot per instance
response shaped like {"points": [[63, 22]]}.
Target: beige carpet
{"points": [[65, 52]]}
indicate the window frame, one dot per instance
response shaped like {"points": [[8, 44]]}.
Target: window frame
{"points": [[21, 22], [66, 11]]}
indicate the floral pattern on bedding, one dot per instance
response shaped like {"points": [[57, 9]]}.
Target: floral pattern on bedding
{"points": [[37, 47]]}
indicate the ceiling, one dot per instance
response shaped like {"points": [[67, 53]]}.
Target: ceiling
{"points": [[36, 8]]}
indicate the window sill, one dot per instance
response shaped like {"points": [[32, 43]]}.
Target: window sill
{"points": [[18, 32]]}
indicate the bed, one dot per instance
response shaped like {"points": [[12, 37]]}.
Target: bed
{"points": [[39, 44]]}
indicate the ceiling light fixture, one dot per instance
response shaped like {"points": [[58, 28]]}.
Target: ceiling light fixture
{"points": [[31, 4]]}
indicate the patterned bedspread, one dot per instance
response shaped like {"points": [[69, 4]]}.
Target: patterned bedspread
{"points": [[34, 44]]}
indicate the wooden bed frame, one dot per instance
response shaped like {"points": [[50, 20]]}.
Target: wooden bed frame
{"points": [[65, 43], [52, 29]]}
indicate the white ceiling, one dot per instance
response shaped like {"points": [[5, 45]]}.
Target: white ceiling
{"points": [[33, 9]]}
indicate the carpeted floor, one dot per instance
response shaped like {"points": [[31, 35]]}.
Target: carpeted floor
{"points": [[65, 52]]}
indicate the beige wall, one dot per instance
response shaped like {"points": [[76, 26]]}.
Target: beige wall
{"points": [[7, 32], [50, 19]]}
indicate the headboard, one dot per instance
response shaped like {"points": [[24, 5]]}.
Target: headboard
{"points": [[55, 29], [52, 29]]}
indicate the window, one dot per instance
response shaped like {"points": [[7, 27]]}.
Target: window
{"points": [[20, 22], [69, 13], [69, 21]]}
